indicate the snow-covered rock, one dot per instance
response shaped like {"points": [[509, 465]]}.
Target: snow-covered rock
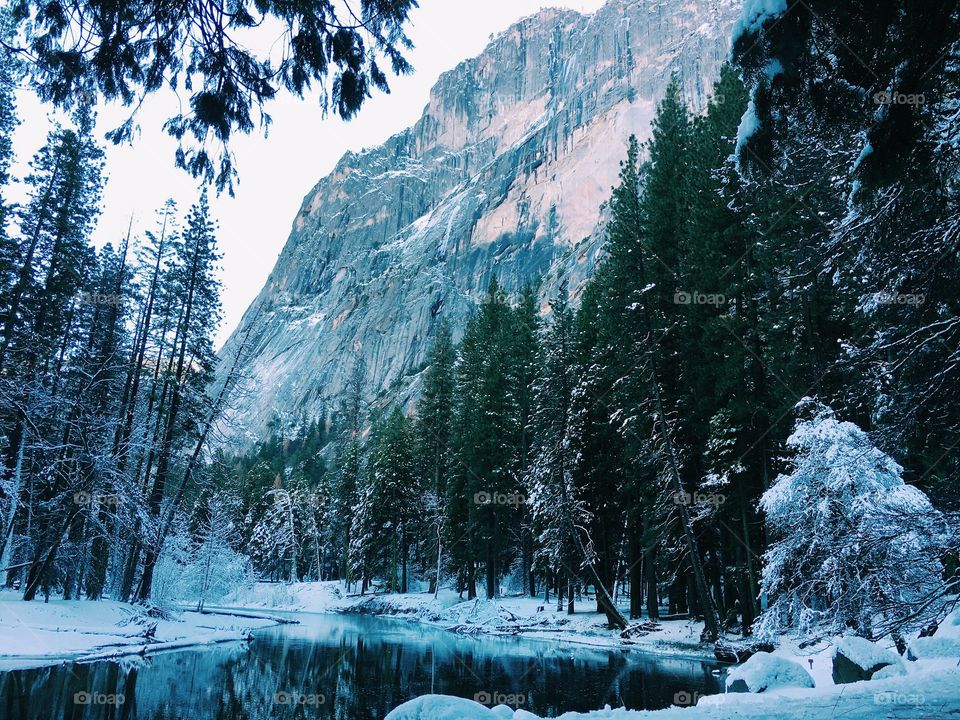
{"points": [[763, 672], [889, 671], [933, 647], [442, 707], [856, 659]]}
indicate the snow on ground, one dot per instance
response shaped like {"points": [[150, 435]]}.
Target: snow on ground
{"points": [[36, 633], [930, 690]]}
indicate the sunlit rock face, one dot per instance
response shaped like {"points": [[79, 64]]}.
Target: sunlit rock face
{"points": [[504, 174]]}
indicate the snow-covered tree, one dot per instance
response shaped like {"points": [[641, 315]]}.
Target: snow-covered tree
{"points": [[216, 568], [278, 539], [389, 506], [556, 509], [852, 547]]}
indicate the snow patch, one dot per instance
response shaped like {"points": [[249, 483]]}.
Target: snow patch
{"points": [[35, 634], [933, 647], [749, 124], [755, 14]]}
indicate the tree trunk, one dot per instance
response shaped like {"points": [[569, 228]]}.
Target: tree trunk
{"points": [[711, 624], [146, 580], [637, 566], [471, 580], [436, 589], [491, 558], [404, 551], [650, 571], [42, 562]]}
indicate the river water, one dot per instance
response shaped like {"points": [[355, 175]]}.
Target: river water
{"points": [[351, 668]]}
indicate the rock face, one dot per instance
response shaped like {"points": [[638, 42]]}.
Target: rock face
{"points": [[504, 174]]}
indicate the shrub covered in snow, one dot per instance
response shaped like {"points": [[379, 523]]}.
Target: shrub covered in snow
{"points": [[201, 567], [852, 547], [764, 671]]}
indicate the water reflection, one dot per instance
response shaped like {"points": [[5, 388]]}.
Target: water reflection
{"points": [[348, 668]]}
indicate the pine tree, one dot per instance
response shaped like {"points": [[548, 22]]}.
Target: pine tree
{"points": [[350, 470], [278, 537], [10, 71], [388, 514], [525, 365], [190, 367], [479, 512], [45, 321], [558, 510], [433, 440], [852, 545], [637, 221]]}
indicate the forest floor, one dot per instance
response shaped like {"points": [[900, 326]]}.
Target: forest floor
{"points": [[35, 634]]}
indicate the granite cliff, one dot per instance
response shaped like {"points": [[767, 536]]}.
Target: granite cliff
{"points": [[504, 174]]}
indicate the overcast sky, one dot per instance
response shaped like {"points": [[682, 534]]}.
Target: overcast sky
{"points": [[276, 173]]}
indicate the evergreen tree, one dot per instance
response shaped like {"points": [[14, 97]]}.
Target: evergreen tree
{"points": [[352, 416], [189, 369], [479, 512], [557, 507], [387, 516], [433, 435], [525, 364], [852, 545], [131, 50]]}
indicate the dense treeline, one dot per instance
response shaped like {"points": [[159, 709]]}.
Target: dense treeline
{"points": [[634, 445]]}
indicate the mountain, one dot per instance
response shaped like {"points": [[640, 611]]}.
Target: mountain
{"points": [[504, 174]]}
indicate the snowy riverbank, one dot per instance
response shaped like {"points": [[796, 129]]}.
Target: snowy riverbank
{"points": [[930, 690], [36, 633], [923, 685], [523, 616]]}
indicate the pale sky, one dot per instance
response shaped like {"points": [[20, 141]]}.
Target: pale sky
{"points": [[276, 173]]}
